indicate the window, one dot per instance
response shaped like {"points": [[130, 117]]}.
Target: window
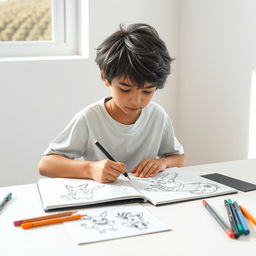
{"points": [[43, 27], [252, 120]]}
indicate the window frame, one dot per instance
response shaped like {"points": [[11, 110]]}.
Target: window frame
{"points": [[70, 23]]}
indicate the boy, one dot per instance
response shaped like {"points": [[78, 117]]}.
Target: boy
{"points": [[134, 63]]}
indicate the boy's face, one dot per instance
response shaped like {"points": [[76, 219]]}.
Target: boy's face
{"points": [[128, 97]]}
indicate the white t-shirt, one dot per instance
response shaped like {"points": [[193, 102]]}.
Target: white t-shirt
{"points": [[151, 136]]}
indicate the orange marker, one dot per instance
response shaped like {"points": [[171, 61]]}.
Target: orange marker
{"points": [[46, 217], [248, 215], [50, 221]]}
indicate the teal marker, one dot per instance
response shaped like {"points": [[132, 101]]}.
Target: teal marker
{"points": [[238, 223]]}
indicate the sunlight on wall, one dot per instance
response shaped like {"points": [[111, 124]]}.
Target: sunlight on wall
{"points": [[252, 124]]}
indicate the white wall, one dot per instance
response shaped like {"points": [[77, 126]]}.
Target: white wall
{"points": [[207, 96], [217, 56], [38, 98]]}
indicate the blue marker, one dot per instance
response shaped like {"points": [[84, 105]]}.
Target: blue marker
{"points": [[5, 200], [241, 218]]}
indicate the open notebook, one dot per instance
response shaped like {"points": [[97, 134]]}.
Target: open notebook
{"points": [[171, 185]]}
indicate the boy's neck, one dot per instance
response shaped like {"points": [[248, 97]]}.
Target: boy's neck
{"points": [[118, 115]]}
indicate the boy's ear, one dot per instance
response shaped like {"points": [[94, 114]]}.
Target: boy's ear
{"points": [[105, 80]]}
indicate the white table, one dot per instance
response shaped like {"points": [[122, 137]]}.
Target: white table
{"points": [[194, 231]]}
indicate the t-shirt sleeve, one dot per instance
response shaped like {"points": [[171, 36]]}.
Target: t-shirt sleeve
{"points": [[72, 141], [169, 143]]}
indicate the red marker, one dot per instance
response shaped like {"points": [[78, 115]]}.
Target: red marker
{"points": [[228, 231]]}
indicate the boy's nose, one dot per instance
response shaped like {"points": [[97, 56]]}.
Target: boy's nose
{"points": [[135, 99]]}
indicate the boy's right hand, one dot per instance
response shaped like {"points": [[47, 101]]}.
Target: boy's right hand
{"points": [[106, 171]]}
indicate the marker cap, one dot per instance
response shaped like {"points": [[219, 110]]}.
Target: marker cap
{"points": [[27, 225], [230, 233], [17, 223]]}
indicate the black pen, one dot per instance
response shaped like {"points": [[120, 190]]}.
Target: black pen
{"points": [[5, 200], [231, 219], [105, 152]]}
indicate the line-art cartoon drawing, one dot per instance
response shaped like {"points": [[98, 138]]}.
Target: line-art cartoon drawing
{"points": [[167, 183], [118, 189], [80, 192], [133, 220], [99, 223]]}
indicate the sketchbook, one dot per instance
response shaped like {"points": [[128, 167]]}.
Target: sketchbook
{"points": [[112, 222], [171, 185]]}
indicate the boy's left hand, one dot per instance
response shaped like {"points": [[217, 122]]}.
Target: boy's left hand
{"points": [[149, 167]]}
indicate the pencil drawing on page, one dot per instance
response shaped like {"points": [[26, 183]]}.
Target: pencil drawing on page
{"points": [[118, 189], [100, 223], [168, 183], [133, 220], [103, 224], [80, 192]]}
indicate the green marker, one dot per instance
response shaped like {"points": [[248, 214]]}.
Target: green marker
{"points": [[238, 224]]}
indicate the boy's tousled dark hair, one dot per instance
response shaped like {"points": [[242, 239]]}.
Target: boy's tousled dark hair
{"points": [[137, 53]]}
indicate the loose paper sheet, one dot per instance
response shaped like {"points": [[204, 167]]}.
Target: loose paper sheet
{"points": [[106, 223]]}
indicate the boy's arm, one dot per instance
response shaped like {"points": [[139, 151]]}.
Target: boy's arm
{"points": [[58, 166], [174, 161], [150, 167]]}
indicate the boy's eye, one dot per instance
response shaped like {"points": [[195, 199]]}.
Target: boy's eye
{"points": [[123, 90], [148, 92], [128, 90]]}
